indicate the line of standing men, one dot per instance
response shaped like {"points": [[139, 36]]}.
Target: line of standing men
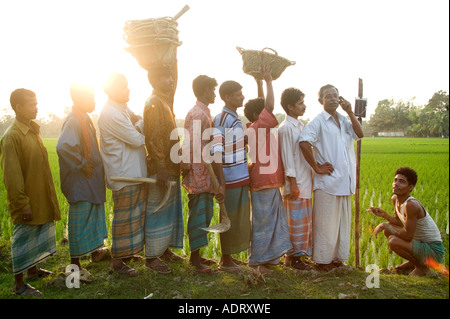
{"points": [[124, 138]]}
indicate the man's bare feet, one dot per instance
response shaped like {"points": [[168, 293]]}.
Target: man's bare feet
{"points": [[419, 271], [262, 269]]}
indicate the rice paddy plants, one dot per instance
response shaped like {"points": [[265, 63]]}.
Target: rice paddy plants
{"points": [[379, 159]]}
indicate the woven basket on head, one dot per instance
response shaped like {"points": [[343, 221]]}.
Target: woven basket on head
{"points": [[153, 42], [149, 31], [253, 60]]}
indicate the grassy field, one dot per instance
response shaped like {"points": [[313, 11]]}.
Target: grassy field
{"points": [[379, 159]]}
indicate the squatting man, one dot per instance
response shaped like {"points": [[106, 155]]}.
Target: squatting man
{"points": [[412, 233]]}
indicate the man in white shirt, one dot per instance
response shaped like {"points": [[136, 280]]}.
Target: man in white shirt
{"points": [[297, 189], [327, 145], [122, 147]]}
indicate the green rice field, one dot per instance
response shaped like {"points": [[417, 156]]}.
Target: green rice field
{"points": [[379, 159]]}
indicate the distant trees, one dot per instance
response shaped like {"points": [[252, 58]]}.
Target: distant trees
{"points": [[50, 125], [431, 120]]}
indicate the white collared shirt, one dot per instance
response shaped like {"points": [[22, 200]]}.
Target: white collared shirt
{"points": [[333, 145], [294, 162], [122, 147]]}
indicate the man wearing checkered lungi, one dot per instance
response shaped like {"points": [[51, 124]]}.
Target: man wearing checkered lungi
{"points": [[83, 180], [297, 188], [122, 146], [31, 194]]}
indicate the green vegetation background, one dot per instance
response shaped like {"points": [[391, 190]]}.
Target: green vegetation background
{"points": [[379, 159]]}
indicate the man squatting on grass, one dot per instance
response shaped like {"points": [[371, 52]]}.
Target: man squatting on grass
{"points": [[270, 232], [412, 233], [31, 194]]}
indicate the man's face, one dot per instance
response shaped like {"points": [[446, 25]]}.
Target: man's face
{"points": [[121, 92], [330, 100], [235, 99], [165, 83], [401, 186], [210, 95], [28, 110], [298, 109], [86, 101]]}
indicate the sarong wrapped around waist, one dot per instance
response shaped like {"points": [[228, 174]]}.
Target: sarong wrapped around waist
{"points": [[299, 218], [201, 211], [31, 244], [164, 228], [128, 221], [237, 238], [434, 250], [270, 232], [86, 228]]}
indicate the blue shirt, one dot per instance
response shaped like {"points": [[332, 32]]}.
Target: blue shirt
{"points": [[75, 186], [229, 139]]}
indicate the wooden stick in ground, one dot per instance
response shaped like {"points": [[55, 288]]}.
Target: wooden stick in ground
{"points": [[225, 223], [358, 166]]}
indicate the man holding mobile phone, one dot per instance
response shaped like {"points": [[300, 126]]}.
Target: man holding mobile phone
{"points": [[327, 145]]}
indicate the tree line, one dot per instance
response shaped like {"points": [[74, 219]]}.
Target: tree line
{"points": [[431, 120]]}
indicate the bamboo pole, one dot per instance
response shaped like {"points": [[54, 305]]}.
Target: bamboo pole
{"points": [[358, 165]]}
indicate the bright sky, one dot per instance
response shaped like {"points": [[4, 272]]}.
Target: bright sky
{"points": [[400, 48]]}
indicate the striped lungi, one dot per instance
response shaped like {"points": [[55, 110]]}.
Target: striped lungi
{"points": [[201, 211], [270, 232], [299, 218], [128, 221], [331, 227], [164, 228], [237, 238], [86, 228], [31, 244]]}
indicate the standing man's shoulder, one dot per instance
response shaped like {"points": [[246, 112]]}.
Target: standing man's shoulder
{"points": [[12, 135], [71, 120], [284, 127]]}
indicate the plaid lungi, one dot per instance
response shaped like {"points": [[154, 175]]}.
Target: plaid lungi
{"points": [[31, 244], [270, 232], [128, 221], [164, 228], [237, 238], [201, 211], [86, 228], [299, 218]]}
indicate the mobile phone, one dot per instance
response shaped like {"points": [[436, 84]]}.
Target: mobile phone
{"points": [[341, 100]]}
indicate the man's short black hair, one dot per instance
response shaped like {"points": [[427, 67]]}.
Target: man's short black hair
{"points": [[409, 173], [228, 87], [18, 97], [290, 96], [253, 106], [202, 83]]}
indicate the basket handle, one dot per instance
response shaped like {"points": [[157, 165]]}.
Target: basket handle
{"points": [[276, 53], [182, 11]]}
